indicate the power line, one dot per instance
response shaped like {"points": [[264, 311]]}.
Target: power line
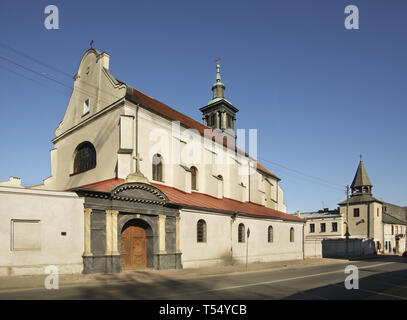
{"points": [[36, 60], [304, 176], [33, 80], [332, 184], [44, 75]]}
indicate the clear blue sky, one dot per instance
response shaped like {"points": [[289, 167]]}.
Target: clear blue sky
{"points": [[318, 94]]}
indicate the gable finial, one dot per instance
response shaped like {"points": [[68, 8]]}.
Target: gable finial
{"points": [[91, 43]]}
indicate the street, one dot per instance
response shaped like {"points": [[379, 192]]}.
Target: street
{"points": [[380, 278]]}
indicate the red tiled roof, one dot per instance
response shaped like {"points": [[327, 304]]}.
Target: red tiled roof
{"points": [[200, 200], [142, 99]]}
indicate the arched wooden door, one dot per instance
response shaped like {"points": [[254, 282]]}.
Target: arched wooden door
{"points": [[133, 248]]}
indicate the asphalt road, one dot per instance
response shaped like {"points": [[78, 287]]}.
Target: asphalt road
{"points": [[378, 279]]}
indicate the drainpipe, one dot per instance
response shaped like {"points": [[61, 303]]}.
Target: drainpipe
{"points": [[368, 220], [303, 241], [249, 178], [137, 130], [233, 218]]}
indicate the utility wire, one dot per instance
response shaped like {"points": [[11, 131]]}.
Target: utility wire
{"points": [[53, 68], [44, 75], [305, 177], [336, 185]]}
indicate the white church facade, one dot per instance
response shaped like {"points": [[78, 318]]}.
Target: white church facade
{"points": [[151, 187]]}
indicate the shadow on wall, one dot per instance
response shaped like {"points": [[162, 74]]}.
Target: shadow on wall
{"points": [[336, 248], [227, 259]]}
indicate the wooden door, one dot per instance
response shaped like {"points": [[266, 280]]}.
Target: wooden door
{"points": [[133, 248]]}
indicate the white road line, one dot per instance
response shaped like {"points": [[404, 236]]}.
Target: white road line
{"points": [[291, 279]]}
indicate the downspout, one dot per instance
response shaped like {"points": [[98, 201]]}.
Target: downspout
{"points": [[249, 178], [368, 220], [303, 241], [233, 218], [137, 129]]}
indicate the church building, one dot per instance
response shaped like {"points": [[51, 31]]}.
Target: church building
{"points": [[156, 188]]}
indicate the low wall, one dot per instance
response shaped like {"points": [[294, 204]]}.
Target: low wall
{"points": [[38, 229], [313, 249], [336, 248]]}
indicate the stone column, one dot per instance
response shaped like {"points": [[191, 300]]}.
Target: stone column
{"points": [[88, 250], [177, 235], [115, 248], [111, 232], [108, 251], [161, 234]]}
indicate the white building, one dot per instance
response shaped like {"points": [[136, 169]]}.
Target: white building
{"points": [[160, 189]]}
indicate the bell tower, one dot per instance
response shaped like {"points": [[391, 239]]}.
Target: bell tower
{"points": [[361, 183], [219, 113]]}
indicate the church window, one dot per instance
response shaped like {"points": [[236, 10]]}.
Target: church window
{"points": [[194, 177], [85, 158], [270, 234], [356, 212], [157, 167], [201, 231], [86, 106], [241, 233], [212, 119], [229, 121], [291, 234]]}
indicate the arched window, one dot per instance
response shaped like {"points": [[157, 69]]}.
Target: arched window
{"points": [[194, 178], [291, 234], [241, 233], [85, 157], [201, 231], [158, 167], [270, 234]]}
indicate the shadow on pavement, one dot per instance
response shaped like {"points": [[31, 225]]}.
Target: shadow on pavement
{"points": [[387, 285]]}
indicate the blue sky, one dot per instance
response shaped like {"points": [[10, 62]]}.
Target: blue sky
{"points": [[319, 95]]}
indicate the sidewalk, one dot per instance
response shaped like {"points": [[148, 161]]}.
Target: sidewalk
{"points": [[37, 281]]}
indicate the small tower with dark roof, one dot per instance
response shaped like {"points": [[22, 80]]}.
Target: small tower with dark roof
{"points": [[220, 114], [361, 183]]}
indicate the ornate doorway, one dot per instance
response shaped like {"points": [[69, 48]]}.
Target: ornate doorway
{"points": [[133, 248]]}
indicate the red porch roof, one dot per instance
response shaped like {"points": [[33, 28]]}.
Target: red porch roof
{"points": [[200, 200]]}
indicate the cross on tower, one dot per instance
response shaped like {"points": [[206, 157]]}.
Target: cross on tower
{"points": [[217, 60], [138, 158], [360, 157]]}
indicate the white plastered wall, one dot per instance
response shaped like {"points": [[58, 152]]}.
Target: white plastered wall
{"points": [[56, 212], [222, 240]]}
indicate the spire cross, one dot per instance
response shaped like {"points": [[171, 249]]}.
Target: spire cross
{"points": [[360, 157], [138, 159]]}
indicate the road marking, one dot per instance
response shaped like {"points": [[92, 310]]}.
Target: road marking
{"points": [[289, 279]]}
